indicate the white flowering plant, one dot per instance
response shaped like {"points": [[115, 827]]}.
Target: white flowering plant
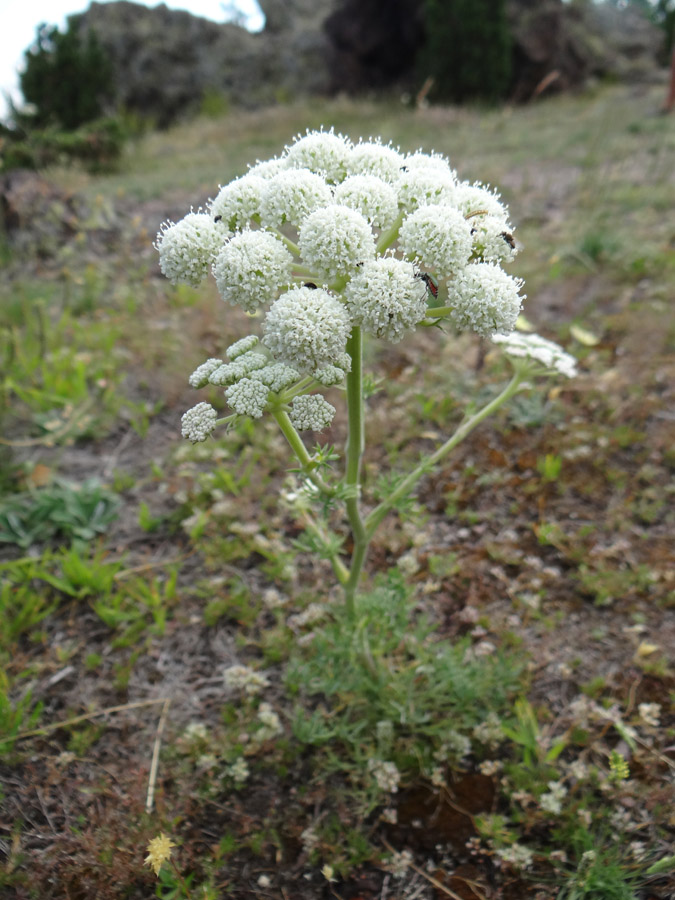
{"points": [[336, 241]]}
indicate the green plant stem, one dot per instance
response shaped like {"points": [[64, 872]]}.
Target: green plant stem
{"points": [[290, 433], [295, 250], [438, 312], [388, 237], [354, 453], [341, 571], [467, 426], [181, 879]]}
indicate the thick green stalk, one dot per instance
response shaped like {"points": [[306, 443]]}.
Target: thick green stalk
{"points": [[354, 453], [404, 488]]}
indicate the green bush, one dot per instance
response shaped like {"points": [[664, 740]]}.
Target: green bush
{"points": [[67, 78], [467, 50]]}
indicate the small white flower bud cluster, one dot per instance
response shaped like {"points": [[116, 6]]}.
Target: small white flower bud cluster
{"points": [[198, 423], [248, 397], [386, 774], [243, 346], [200, 376], [244, 678], [333, 235], [311, 412]]}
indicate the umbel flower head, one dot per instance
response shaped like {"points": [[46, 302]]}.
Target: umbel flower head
{"points": [[251, 269], [333, 235], [307, 329], [187, 248]]}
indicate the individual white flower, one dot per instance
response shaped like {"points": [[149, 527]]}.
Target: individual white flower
{"points": [[650, 713], [386, 298], [239, 201], [311, 412], [455, 746], [270, 721], [307, 328], [516, 855], [439, 237], [196, 731], [248, 397], [424, 187], [533, 346], [485, 300], [187, 248], [242, 346], [200, 376], [551, 801], [239, 771], [323, 152], [371, 196], [374, 158], [475, 200], [492, 240], [251, 269], [277, 376], [198, 423], [399, 862], [335, 240], [243, 365], [268, 168], [330, 375], [291, 195], [489, 731], [386, 774], [242, 677]]}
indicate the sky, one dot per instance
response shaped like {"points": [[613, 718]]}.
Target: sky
{"points": [[19, 20]]}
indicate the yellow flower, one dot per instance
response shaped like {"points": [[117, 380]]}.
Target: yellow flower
{"points": [[618, 766], [159, 851]]}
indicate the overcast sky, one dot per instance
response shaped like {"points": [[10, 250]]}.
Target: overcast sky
{"points": [[20, 18]]}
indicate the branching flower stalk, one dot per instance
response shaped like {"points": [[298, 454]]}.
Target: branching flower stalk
{"points": [[344, 241]]}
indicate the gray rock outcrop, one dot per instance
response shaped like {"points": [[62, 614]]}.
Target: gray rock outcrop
{"points": [[165, 60]]}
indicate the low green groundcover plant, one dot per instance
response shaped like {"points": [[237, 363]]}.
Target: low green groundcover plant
{"points": [[339, 240], [75, 513]]}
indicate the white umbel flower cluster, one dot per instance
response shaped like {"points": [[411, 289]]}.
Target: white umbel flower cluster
{"points": [[242, 346], [187, 248], [335, 240], [251, 269], [200, 376], [371, 196], [387, 298], [311, 412], [307, 328], [323, 152], [248, 397], [198, 423], [439, 236], [333, 235], [485, 300], [291, 196], [533, 346]]}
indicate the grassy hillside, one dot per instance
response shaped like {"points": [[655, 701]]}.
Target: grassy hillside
{"points": [[500, 722]]}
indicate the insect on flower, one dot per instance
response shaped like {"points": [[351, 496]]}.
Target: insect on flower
{"points": [[509, 239], [432, 286]]}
